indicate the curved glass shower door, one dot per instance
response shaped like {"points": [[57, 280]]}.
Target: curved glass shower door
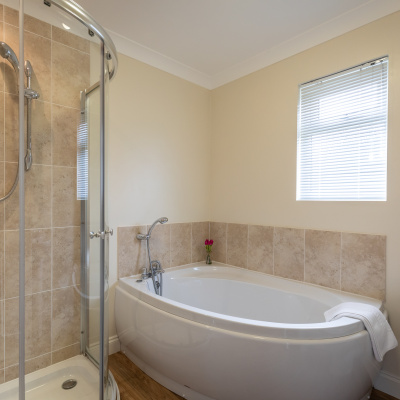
{"points": [[94, 227], [45, 225]]}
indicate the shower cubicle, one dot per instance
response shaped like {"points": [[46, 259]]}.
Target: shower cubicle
{"points": [[55, 66]]}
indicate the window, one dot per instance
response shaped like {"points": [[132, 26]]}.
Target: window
{"points": [[342, 135]]}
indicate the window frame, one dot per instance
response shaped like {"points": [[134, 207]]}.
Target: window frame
{"points": [[305, 156]]}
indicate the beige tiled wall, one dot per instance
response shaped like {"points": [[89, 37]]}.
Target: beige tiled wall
{"points": [[61, 69], [350, 262]]}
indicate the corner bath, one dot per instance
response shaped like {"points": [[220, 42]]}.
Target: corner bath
{"points": [[226, 333]]}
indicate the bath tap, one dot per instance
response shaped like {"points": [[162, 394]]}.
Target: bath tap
{"points": [[155, 273]]}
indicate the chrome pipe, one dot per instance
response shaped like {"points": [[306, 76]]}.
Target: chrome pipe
{"points": [[28, 155], [30, 94], [8, 53]]}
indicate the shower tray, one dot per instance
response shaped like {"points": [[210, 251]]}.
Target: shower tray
{"points": [[47, 383]]}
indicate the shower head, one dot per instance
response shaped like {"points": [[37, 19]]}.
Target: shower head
{"points": [[7, 52], [28, 69], [161, 220]]}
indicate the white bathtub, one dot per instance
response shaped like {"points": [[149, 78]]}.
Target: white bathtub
{"points": [[225, 333]]}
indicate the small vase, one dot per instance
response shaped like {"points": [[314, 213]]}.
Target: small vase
{"points": [[208, 259]]}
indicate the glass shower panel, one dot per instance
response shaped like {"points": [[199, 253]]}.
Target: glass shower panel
{"points": [[93, 211], [95, 206], [64, 58], [9, 211], [62, 158], [106, 81]]}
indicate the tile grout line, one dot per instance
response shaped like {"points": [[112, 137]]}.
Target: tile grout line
{"points": [[340, 261], [41, 355], [226, 243], [304, 255], [41, 165], [49, 102], [3, 310], [51, 34], [40, 228], [273, 250], [247, 249], [43, 291], [51, 198]]}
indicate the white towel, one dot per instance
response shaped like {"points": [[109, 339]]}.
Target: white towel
{"points": [[379, 330]]}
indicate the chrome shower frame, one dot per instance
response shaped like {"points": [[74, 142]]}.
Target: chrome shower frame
{"points": [[21, 175]]}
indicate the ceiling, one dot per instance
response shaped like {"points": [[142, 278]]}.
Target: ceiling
{"points": [[211, 42]]}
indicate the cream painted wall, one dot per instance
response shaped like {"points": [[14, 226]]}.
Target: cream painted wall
{"points": [[159, 152], [254, 151]]}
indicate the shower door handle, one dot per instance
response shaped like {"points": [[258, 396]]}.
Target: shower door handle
{"points": [[94, 235], [101, 234], [106, 232]]}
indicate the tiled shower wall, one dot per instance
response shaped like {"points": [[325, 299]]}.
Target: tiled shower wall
{"points": [[61, 69], [350, 262]]}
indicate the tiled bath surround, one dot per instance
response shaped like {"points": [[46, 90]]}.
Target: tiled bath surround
{"points": [[171, 244], [349, 262], [52, 212]]}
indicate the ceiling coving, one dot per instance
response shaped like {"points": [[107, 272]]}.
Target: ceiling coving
{"points": [[212, 42]]}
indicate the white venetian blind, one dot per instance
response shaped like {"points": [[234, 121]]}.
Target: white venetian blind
{"points": [[82, 158], [342, 135]]}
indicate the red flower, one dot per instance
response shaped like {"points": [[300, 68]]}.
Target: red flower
{"points": [[208, 244]]}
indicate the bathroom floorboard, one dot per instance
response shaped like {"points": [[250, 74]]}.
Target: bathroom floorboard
{"points": [[136, 385], [377, 395]]}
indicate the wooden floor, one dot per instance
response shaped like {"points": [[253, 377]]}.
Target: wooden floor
{"points": [[377, 395], [135, 385]]}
